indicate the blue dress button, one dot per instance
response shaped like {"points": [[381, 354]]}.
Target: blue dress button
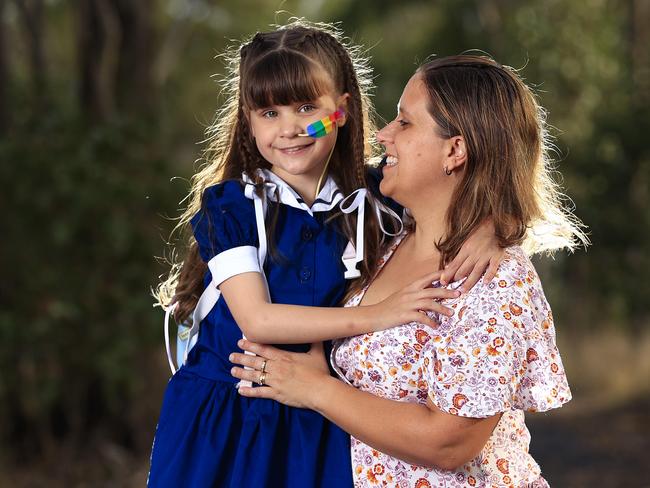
{"points": [[305, 274], [307, 234]]}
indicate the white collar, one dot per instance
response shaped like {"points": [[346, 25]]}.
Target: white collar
{"points": [[276, 189]]}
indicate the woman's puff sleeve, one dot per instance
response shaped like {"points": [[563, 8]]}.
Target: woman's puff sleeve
{"points": [[225, 231], [498, 351]]}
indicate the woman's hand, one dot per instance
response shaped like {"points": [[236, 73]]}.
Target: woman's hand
{"points": [[479, 254], [411, 303], [289, 377]]}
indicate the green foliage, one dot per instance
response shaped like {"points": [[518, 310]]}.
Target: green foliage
{"points": [[80, 231], [82, 201]]}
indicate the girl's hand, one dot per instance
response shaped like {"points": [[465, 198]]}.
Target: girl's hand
{"points": [[411, 303], [289, 377], [479, 254]]}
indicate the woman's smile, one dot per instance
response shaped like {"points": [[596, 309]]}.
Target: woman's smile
{"points": [[391, 161]]}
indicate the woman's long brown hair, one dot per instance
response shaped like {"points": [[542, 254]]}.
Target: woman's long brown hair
{"points": [[508, 175]]}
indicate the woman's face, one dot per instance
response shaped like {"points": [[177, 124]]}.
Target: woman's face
{"points": [[415, 152]]}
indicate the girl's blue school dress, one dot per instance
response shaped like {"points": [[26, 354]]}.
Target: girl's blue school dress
{"points": [[207, 434]]}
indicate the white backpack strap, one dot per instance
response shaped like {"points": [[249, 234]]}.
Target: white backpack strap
{"points": [[207, 301], [168, 313], [224, 265], [260, 204], [221, 268], [229, 263], [260, 212]]}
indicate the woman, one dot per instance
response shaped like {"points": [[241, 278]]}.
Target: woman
{"points": [[445, 407]]}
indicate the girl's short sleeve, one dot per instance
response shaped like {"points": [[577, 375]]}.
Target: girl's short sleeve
{"points": [[498, 351], [225, 231]]}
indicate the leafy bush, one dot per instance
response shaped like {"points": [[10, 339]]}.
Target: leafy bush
{"points": [[80, 230]]}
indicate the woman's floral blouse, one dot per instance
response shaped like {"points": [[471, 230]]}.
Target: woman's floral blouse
{"points": [[496, 354]]}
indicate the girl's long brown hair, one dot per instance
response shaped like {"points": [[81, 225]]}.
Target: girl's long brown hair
{"points": [[294, 63], [508, 175]]}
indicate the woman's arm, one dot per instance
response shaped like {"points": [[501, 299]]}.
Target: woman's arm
{"points": [[262, 321], [416, 433], [420, 434]]}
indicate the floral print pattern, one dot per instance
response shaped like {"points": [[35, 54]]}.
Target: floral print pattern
{"points": [[496, 354]]}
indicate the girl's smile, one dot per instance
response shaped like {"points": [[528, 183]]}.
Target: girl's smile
{"points": [[296, 150]]}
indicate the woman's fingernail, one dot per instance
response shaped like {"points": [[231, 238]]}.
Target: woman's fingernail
{"points": [[240, 342], [231, 357]]}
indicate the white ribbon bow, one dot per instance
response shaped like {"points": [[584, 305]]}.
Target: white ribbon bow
{"points": [[354, 254]]}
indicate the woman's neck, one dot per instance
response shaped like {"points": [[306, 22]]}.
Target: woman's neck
{"points": [[430, 215]]}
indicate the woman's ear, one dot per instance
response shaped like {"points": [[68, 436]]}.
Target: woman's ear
{"points": [[457, 153], [342, 103]]}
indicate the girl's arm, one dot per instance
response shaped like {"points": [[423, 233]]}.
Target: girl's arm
{"points": [[271, 323], [419, 434], [262, 321]]}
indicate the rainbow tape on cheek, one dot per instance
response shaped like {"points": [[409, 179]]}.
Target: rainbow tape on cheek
{"points": [[323, 126]]}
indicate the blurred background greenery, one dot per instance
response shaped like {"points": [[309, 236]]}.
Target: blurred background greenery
{"points": [[103, 104]]}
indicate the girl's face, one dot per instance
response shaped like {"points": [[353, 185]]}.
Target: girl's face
{"points": [[276, 130], [416, 154]]}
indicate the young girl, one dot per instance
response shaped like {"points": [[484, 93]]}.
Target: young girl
{"points": [[279, 188]]}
